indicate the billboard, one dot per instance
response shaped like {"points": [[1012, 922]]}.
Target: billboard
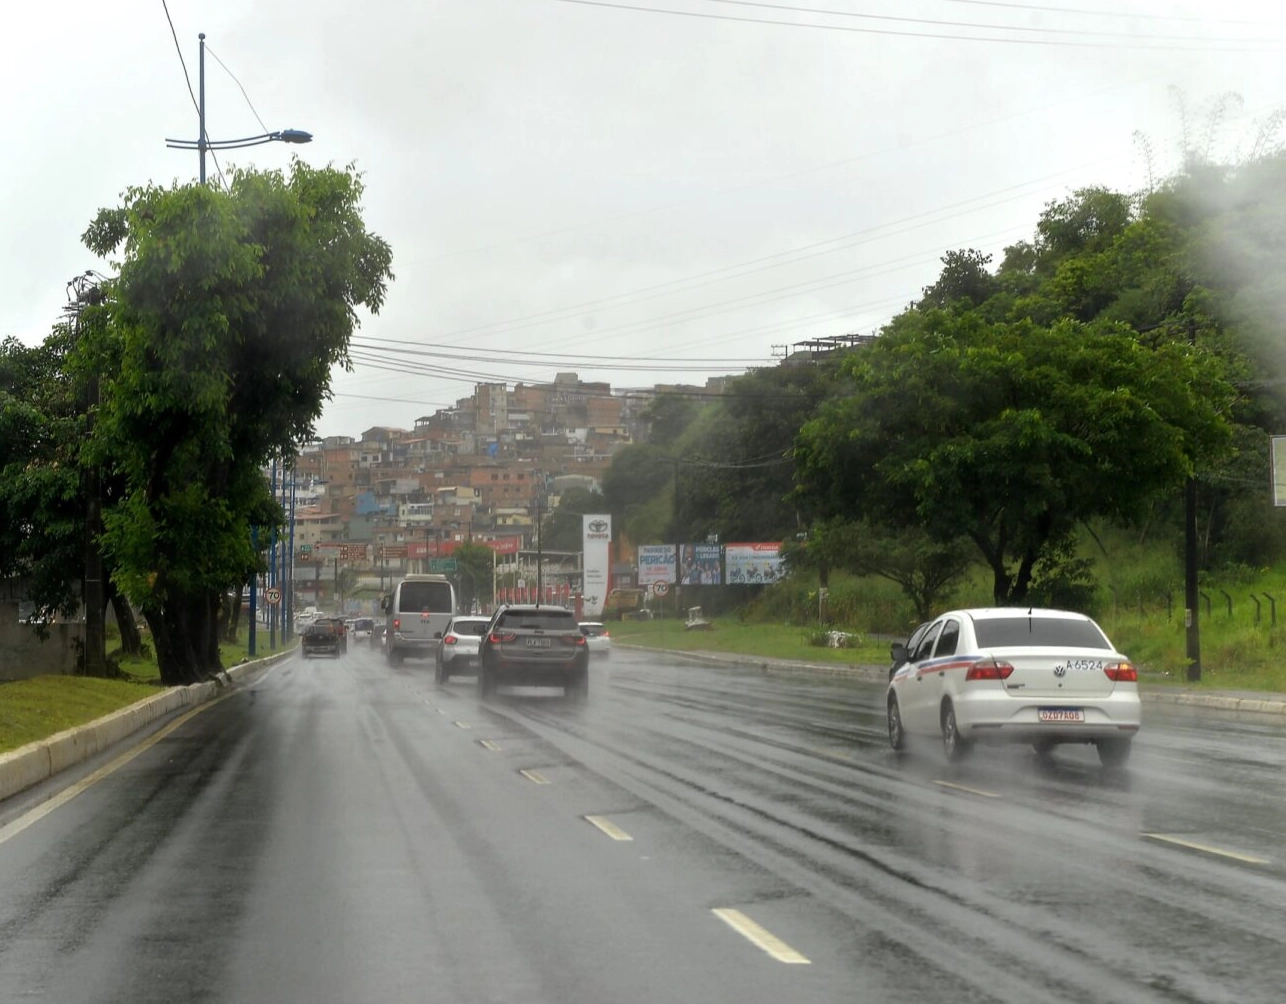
{"points": [[699, 565], [596, 540], [656, 564], [748, 564]]}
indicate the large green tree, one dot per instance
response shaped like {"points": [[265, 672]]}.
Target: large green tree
{"points": [[735, 469], [1010, 435], [228, 314]]}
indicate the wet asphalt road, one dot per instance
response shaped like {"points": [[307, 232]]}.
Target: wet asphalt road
{"points": [[345, 831]]}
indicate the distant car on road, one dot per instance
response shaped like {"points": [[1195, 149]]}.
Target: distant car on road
{"points": [[597, 638], [362, 628], [458, 652], [322, 637], [536, 646], [1008, 674], [339, 627]]}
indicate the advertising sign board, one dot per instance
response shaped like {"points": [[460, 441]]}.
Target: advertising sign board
{"points": [[596, 540], [699, 565], [749, 564], [656, 564]]}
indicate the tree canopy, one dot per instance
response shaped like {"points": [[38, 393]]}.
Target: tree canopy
{"points": [[228, 313], [1009, 435]]}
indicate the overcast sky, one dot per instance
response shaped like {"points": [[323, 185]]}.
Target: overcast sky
{"points": [[638, 196]]}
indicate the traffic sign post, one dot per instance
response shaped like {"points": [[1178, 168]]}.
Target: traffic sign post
{"points": [[272, 596], [442, 565]]}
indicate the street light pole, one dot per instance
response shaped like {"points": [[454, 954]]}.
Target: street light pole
{"points": [[203, 143]]}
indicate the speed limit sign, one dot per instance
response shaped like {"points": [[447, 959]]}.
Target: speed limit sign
{"points": [[272, 596], [660, 588]]}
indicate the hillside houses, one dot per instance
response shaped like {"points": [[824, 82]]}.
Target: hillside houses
{"points": [[394, 498]]}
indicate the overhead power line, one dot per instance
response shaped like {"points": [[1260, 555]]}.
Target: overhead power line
{"points": [[983, 26], [1081, 11], [1202, 45], [239, 87]]}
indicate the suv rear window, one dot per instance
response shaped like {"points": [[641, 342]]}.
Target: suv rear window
{"points": [[542, 620], [425, 597], [1051, 632]]}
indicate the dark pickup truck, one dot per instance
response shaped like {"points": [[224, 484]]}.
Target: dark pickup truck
{"points": [[325, 636]]}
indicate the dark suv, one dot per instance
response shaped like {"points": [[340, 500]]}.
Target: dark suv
{"points": [[323, 637], [534, 646]]}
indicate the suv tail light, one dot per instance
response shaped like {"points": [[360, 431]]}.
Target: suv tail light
{"points": [[989, 670], [574, 639], [397, 623], [1122, 672], [500, 637], [449, 639]]}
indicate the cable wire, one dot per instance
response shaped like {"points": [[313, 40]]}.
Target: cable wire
{"points": [[1254, 46]]}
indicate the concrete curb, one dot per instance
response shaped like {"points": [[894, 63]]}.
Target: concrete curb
{"points": [[29, 765], [1266, 703]]}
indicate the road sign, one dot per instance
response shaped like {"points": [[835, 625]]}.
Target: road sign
{"points": [[272, 596], [660, 588], [442, 564], [306, 548]]}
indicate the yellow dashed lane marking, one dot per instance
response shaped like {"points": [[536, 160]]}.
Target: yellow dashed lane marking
{"points": [[760, 937], [608, 827], [967, 790], [534, 776], [1192, 845]]}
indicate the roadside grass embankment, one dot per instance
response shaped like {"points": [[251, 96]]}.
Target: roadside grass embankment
{"points": [[41, 706], [733, 637]]}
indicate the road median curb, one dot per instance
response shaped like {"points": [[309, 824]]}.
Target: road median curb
{"points": [[29, 765]]}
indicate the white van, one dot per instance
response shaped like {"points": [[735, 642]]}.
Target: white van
{"points": [[415, 615]]}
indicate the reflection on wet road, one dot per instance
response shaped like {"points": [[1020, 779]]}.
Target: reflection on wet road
{"points": [[348, 831]]}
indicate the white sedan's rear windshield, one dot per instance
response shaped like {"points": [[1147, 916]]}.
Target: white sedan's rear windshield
{"points": [[1046, 632], [470, 627]]}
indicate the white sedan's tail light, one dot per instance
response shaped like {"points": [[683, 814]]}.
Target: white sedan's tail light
{"points": [[989, 669], [1122, 672]]}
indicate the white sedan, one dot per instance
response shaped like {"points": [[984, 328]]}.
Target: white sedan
{"points": [[597, 638], [1010, 674]]}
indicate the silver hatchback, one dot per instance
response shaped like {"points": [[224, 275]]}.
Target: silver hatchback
{"points": [[458, 652]]}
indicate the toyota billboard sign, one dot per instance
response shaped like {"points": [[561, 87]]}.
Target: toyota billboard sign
{"points": [[596, 543]]}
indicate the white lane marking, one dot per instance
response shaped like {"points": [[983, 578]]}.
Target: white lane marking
{"points": [[607, 826], [463, 725], [85, 783], [760, 937], [1192, 845], [489, 745], [534, 776], [967, 790]]}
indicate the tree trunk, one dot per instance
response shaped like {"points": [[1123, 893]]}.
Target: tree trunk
{"points": [[131, 640], [234, 616]]}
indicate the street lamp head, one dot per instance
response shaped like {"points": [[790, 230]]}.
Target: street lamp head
{"points": [[295, 136]]}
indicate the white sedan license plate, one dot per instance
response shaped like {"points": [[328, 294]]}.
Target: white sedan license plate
{"points": [[539, 642], [1061, 714]]}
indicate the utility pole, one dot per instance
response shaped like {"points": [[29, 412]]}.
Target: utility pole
{"points": [[540, 582], [1191, 594], [272, 571]]}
